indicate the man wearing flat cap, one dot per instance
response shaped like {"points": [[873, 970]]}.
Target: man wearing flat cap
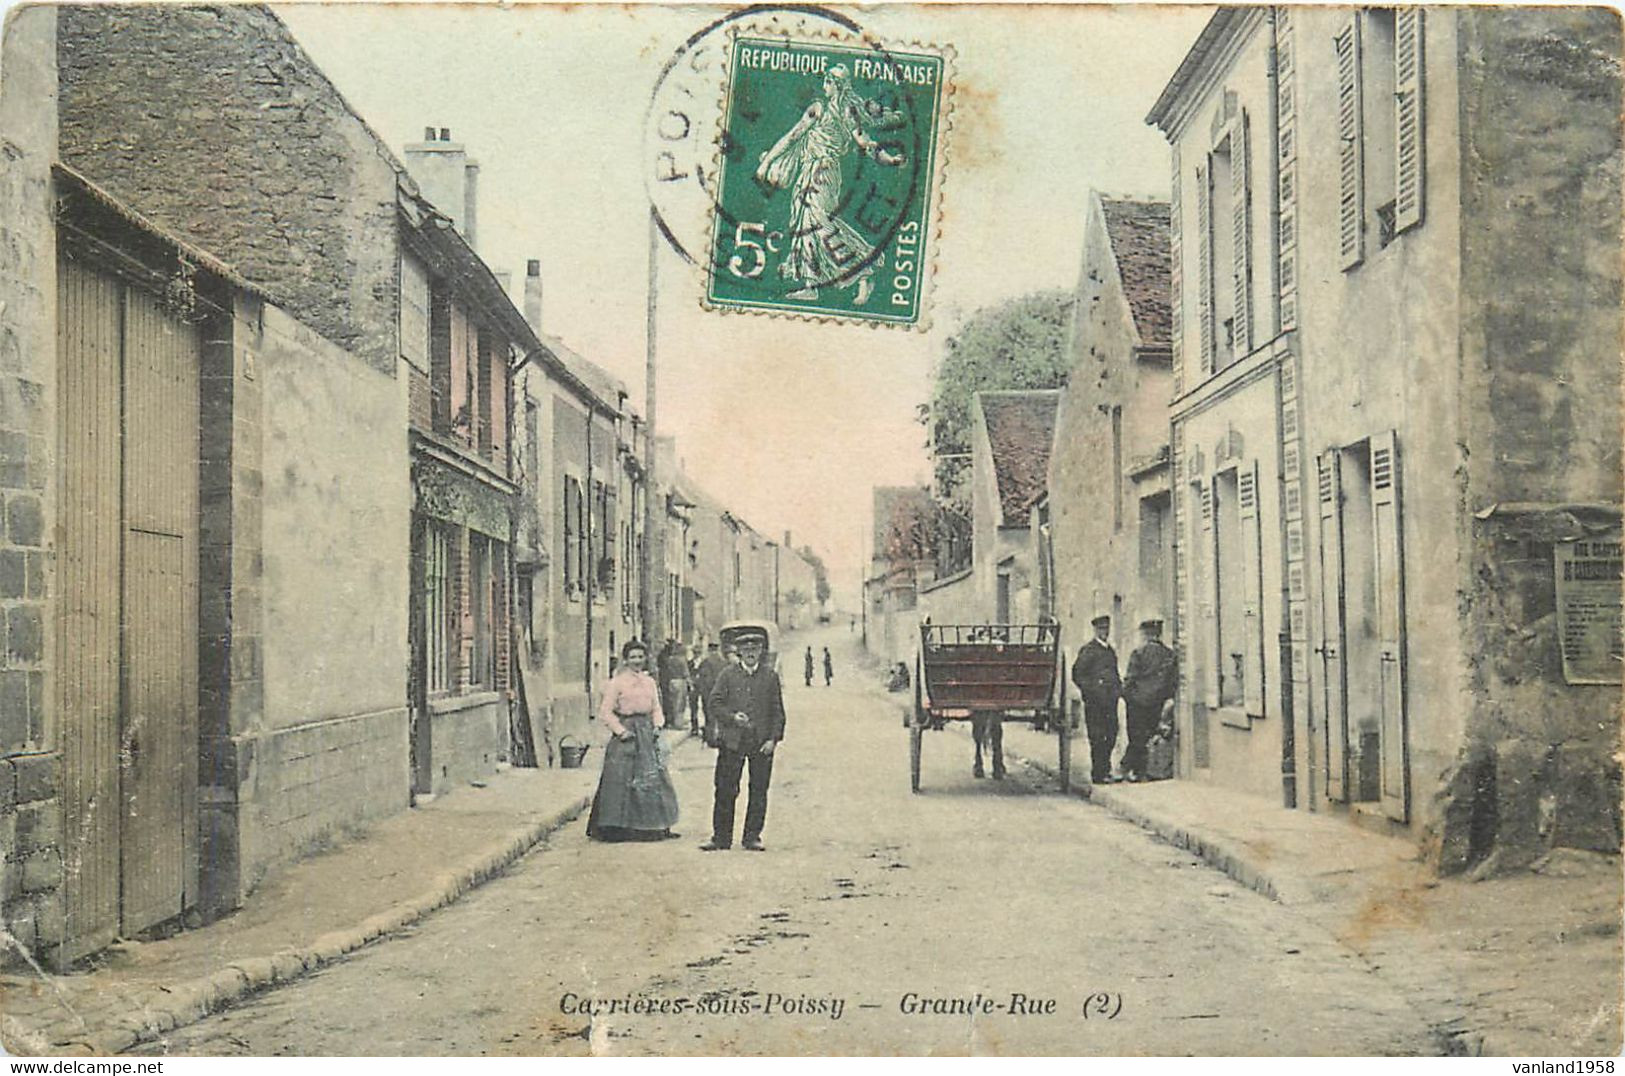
{"points": [[745, 717], [1148, 685], [1095, 673]]}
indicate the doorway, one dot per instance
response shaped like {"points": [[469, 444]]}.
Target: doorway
{"points": [[127, 624]]}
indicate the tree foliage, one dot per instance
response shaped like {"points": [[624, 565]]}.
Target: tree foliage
{"points": [[820, 573], [1017, 344]]}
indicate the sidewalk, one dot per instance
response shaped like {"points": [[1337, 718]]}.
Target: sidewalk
{"points": [[304, 916], [1523, 964]]}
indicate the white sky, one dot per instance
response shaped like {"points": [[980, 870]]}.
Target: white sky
{"points": [[790, 423]]}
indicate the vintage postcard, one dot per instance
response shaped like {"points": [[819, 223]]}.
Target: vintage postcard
{"points": [[910, 529]]}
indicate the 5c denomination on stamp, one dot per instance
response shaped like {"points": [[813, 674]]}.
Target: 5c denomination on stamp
{"points": [[829, 167]]}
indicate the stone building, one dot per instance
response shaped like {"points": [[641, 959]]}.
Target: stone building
{"points": [[1396, 290], [299, 727], [1011, 440], [1102, 530]]}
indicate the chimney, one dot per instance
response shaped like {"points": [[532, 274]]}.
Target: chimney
{"points": [[787, 544], [448, 179], [533, 295]]}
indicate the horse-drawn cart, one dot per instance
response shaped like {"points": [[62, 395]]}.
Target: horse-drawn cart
{"points": [[988, 674]]}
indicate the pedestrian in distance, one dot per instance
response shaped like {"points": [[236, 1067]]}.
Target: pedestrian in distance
{"points": [[1147, 687], [807, 667], [693, 690], [705, 678], [635, 800], [674, 676], [1095, 673], [829, 668], [746, 721]]}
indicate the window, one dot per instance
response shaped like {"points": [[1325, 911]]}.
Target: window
{"points": [[480, 673], [1224, 238], [1226, 579], [1381, 137], [1117, 468], [439, 634], [533, 463], [573, 538], [482, 393]]}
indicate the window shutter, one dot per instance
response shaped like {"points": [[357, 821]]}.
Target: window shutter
{"points": [[1252, 587], [1385, 509], [1351, 151], [1335, 716], [1410, 150], [1210, 596], [1204, 265], [1241, 220]]}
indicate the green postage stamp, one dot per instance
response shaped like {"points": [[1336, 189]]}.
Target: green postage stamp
{"points": [[828, 173]]}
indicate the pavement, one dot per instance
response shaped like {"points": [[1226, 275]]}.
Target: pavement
{"points": [[1522, 964], [302, 918]]}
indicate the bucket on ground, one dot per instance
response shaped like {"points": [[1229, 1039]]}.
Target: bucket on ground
{"points": [[571, 752]]}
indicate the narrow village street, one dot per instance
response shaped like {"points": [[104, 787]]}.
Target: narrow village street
{"points": [[867, 898]]}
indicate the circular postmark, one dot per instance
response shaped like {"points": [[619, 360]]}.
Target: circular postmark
{"points": [[790, 158]]}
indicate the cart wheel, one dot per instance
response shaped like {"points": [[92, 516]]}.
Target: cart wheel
{"points": [[915, 734], [1066, 751]]}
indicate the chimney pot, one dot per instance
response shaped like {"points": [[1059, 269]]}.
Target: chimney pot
{"points": [[428, 134], [445, 134], [533, 267]]}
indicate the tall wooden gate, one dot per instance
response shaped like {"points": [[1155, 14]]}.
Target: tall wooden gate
{"points": [[127, 637]]}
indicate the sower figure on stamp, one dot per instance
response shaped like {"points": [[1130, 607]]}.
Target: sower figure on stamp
{"points": [[745, 716], [1095, 673], [1147, 687], [824, 249]]}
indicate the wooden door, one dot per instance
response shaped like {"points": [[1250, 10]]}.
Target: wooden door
{"points": [[1332, 627], [90, 312], [127, 631], [159, 782]]}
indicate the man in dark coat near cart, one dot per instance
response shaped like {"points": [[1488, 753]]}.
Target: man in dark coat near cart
{"points": [[1152, 671], [1095, 673], [745, 721]]}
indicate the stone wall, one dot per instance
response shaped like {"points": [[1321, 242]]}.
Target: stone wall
{"points": [[30, 812], [1541, 184], [212, 122]]}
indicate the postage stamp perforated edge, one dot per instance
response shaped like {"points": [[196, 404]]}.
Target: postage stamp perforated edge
{"points": [[799, 30]]}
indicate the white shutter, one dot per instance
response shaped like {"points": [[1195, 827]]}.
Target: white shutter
{"points": [[1252, 588], [1212, 649], [1204, 266], [1390, 580], [1409, 132], [1241, 221], [1335, 715], [1351, 151]]}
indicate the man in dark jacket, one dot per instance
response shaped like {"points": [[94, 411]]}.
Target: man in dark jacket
{"points": [[745, 718], [1152, 672], [705, 678], [1095, 673]]}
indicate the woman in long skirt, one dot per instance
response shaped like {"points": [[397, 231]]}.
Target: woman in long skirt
{"points": [[635, 800]]}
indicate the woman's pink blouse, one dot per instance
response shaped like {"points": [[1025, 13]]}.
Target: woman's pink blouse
{"points": [[629, 693]]}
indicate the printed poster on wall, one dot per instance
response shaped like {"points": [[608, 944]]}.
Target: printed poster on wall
{"points": [[1588, 610]]}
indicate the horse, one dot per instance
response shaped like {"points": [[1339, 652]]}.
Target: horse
{"points": [[989, 729]]}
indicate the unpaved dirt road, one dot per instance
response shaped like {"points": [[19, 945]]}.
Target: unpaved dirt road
{"points": [[869, 901]]}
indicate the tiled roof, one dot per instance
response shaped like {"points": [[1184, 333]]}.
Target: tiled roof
{"points": [[1020, 430], [1138, 233]]}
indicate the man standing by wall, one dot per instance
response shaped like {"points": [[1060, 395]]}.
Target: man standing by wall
{"points": [[1095, 673], [745, 718], [1147, 687]]}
